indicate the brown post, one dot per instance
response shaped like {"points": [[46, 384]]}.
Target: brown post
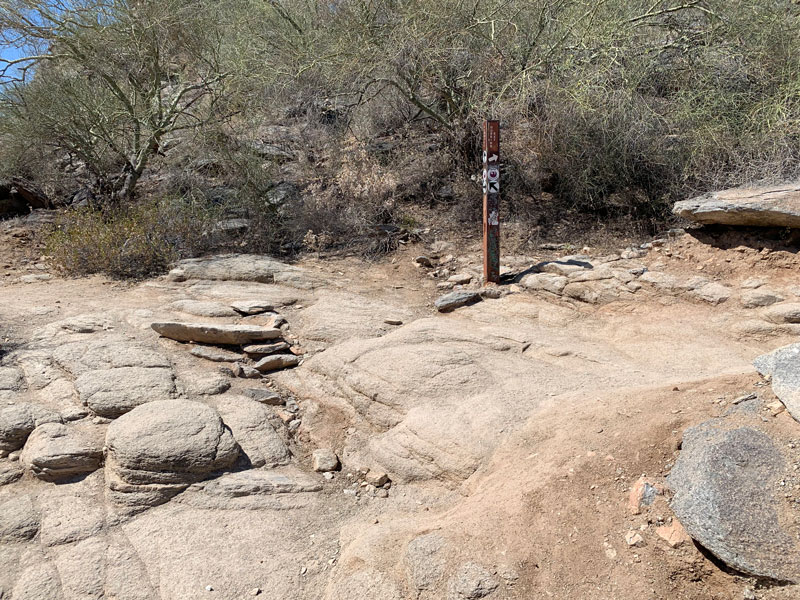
{"points": [[491, 201]]}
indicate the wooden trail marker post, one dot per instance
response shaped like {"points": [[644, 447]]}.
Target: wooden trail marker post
{"points": [[491, 201]]}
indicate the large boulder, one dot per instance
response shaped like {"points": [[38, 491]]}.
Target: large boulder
{"points": [[783, 366], [159, 448], [56, 452], [209, 333], [774, 206], [727, 496], [17, 421]]}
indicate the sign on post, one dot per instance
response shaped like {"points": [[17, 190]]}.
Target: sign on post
{"points": [[491, 201]]}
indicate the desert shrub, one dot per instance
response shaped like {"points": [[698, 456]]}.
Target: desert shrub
{"points": [[131, 241]]}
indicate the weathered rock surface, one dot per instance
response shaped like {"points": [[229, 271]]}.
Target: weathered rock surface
{"points": [[470, 582], [774, 206], [215, 334], [19, 519], [215, 354], [785, 312], [203, 308], [726, 495], [55, 452], [17, 421], [548, 282], [425, 561], [783, 366], [81, 357], [157, 449], [261, 483], [113, 392], [713, 293], [9, 472], [10, 379], [756, 298], [250, 424], [264, 396], [455, 300], [70, 518]]}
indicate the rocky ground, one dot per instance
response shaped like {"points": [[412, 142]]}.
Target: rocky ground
{"points": [[334, 429]]}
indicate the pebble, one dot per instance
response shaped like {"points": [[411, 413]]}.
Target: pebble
{"points": [[255, 591], [209, 588], [634, 539], [393, 321]]}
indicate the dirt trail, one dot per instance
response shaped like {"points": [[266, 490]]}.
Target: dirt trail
{"points": [[512, 430]]}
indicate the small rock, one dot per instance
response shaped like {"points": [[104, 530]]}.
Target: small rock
{"points": [[460, 278], [248, 372], [252, 307], [633, 539], [328, 475], [255, 591], [643, 493], [265, 349], [393, 321], [775, 408], [265, 396], [275, 362], [423, 261], [713, 293], [376, 478], [455, 300], [382, 493], [324, 460], [674, 534]]}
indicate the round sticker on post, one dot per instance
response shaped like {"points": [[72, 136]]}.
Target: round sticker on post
{"points": [[493, 174]]}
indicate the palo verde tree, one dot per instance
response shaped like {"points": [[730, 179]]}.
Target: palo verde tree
{"points": [[108, 82]]}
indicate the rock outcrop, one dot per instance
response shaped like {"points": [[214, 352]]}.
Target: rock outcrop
{"points": [[158, 449], [728, 497], [55, 452], [774, 206]]}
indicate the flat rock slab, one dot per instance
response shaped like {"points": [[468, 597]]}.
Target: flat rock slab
{"points": [[209, 333], [785, 312], [454, 300], [252, 307], [264, 349], [250, 483], [775, 206], [215, 354], [203, 309], [783, 365], [727, 496]]}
